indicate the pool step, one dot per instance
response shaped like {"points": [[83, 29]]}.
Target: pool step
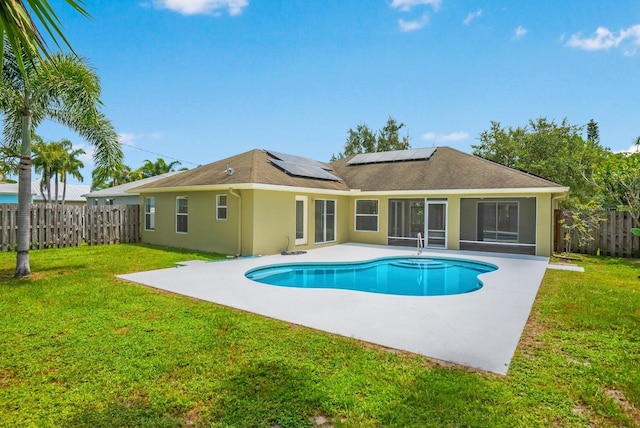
{"points": [[420, 264]]}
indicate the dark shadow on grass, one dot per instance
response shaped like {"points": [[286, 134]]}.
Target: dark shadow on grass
{"points": [[124, 415], [268, 393]]}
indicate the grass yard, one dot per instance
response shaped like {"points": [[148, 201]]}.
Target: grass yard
{"points": [[80, 348]]}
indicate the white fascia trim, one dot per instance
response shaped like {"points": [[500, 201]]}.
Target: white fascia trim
{"points": [[108, 195], [245, 186], [259, 186], [444, 192]]}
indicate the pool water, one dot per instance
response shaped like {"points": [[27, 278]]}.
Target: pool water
{"points": [[406, 276]]}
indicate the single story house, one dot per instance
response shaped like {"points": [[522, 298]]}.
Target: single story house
{"points": [[266, 202], [73, 195], [122, 194], [9, 193]]}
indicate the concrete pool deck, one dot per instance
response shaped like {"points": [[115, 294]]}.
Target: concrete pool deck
{"points": [[479, 329]]}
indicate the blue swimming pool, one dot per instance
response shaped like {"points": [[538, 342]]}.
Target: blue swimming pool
{"points": [[407, 276]]}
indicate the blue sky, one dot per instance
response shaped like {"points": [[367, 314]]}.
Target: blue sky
{"points": [[200, 80]]}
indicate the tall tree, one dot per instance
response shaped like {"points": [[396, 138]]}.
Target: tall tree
{"points": [[8, 165], [20, 31], [113, 175], [364, 140], [55, 161], [65, 90], [389, 137], [70, 165], [160, 166], [45, 159], [593, 131], [554, 151], [619, 179]]}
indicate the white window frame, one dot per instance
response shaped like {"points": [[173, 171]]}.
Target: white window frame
{"points": [[179, 214], [151, 214], [356, 215], [305, 219], [324, 214], [219, 206]]}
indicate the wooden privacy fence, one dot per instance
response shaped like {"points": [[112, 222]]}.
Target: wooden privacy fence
{"points": [[57, 226], [610, 237]]}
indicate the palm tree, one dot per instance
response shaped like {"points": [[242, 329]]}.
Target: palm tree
{"points": [[7, 163], [55, 161], [65, 90], [160, 166], [44, 159], [19, 30], [70, 165], [114, 175]]}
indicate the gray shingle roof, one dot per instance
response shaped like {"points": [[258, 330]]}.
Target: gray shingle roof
{"points": [[249, 167], [446, 169]]}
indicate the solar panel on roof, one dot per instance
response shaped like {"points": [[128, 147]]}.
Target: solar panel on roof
{"points": [[392, 156], [298, 160], [300, 170]]}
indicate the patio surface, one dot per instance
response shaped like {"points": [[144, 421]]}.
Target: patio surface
{"points": [[479, 329]]}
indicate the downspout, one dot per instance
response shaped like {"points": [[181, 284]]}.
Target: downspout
{"points": [[237, 195]]}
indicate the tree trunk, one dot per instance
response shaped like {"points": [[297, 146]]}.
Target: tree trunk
{"points": [[57, 200], [24, 199]]}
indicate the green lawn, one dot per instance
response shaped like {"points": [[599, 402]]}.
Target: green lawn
{"points": [[81, 348]]}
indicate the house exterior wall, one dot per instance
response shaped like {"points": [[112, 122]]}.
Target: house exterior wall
{"points": [[8, 199], [204, 232], [117, 200], [536, 217], [259, 221], [274, 220]]}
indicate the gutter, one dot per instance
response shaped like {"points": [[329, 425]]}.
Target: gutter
{"points": [[237, 195]]}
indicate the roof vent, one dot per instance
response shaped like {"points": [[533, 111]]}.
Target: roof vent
{"points": [[229, 170]]}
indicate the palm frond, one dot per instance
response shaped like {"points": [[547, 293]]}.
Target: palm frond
{"points": [[19, 29]]}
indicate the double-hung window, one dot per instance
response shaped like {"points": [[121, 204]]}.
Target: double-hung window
{"points": [[182, 214], [366, 215], [325, 216], [149, 213], [221, 207]]}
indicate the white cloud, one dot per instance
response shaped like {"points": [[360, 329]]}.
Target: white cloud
{"points": [[406, 26], [129, 138], [407, 5], [633, 149], [195, 7], [603, 39], [520, 32], [472, 16], [445, 138]]}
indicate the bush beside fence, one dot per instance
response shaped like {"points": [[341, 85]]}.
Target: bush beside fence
{"points": [[56, 226], [611, 237]]}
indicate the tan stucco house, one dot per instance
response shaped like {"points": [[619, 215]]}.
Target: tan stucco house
{"points": [[266, 202]]}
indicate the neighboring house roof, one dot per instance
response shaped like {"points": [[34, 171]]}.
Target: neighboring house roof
{"points": [[444, 169], [74, 192], [9, 188], [127, 189]]}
